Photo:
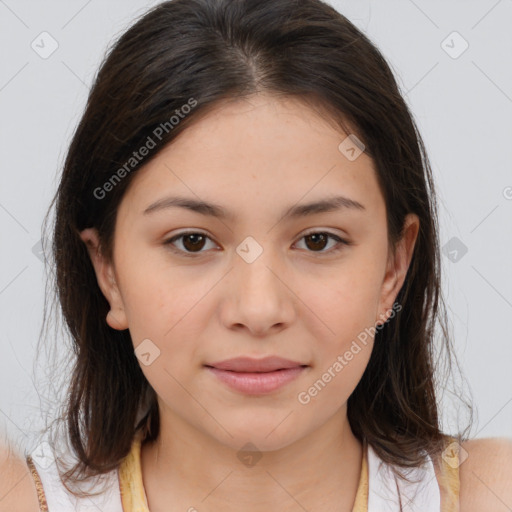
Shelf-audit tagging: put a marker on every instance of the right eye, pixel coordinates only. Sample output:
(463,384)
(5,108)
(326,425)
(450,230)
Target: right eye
(191,241)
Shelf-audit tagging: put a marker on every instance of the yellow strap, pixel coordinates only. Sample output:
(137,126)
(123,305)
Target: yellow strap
(43,506)
(132,489)
(361,501)
(450,475)
(133,497)
(134,500)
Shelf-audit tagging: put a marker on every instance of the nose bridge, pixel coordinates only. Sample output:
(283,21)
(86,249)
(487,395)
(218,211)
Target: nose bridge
(260,299)
(256,264)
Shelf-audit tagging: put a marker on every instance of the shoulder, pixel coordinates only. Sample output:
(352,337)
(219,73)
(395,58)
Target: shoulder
(486,474)
(17,488)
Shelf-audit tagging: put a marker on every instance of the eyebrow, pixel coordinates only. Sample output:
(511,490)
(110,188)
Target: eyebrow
(215,210)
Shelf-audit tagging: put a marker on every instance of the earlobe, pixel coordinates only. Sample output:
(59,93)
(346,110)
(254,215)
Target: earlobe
(113,321)
(116,317)
(397,267)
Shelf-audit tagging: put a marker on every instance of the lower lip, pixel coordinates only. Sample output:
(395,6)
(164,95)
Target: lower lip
(257,383)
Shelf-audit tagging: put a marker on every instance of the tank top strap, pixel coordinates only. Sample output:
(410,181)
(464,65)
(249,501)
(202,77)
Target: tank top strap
(361,501)
(41,497)
(378,489)
(133,495)
(450,475)
(53,496)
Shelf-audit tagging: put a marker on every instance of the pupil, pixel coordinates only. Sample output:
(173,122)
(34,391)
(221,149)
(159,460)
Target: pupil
(315,237)
(195,239)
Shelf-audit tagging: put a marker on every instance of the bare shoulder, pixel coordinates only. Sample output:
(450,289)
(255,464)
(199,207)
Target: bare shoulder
(17,488)
(486,475)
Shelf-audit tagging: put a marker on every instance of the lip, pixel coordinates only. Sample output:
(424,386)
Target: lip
(249,364)
(256,376)
(257,383)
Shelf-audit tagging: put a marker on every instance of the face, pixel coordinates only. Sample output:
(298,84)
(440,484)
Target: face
(266,278)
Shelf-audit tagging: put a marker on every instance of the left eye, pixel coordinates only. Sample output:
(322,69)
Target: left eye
(192,242)
(318,240)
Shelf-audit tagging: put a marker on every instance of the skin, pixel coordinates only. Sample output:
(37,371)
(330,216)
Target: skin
(309,455)
(484,478)
(256,157)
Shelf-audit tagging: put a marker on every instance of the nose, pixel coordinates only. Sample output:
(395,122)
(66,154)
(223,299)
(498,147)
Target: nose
(259,298)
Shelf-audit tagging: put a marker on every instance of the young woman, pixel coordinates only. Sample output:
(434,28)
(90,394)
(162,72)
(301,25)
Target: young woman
(247,260)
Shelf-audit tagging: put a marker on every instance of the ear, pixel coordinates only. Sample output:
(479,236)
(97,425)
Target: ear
(105,275)
(397,266)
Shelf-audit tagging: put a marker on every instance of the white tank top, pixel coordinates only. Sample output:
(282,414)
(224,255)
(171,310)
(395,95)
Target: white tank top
(383,496)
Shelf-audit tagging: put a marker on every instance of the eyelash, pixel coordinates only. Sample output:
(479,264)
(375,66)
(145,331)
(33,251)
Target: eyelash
(341,242)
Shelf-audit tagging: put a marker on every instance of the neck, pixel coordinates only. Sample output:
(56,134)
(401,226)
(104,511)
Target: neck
(187,470)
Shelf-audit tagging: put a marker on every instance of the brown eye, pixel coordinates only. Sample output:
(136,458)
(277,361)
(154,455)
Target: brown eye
(191,243)
(319,240)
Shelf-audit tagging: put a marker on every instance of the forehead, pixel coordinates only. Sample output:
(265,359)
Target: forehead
(255,153)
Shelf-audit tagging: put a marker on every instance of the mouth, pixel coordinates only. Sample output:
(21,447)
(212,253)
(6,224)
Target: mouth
(256,377)
(252,365)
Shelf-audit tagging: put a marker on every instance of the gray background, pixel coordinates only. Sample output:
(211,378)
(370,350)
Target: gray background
(462,103)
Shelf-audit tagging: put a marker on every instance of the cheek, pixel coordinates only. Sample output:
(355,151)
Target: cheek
(166,308)
(344,301)
(159,297)
(169,317)
(345,304)
(344,342)
(334,381)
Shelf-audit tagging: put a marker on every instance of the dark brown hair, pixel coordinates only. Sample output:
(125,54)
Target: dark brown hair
(210,51)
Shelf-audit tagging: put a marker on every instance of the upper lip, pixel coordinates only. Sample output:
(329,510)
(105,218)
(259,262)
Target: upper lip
(249,364)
